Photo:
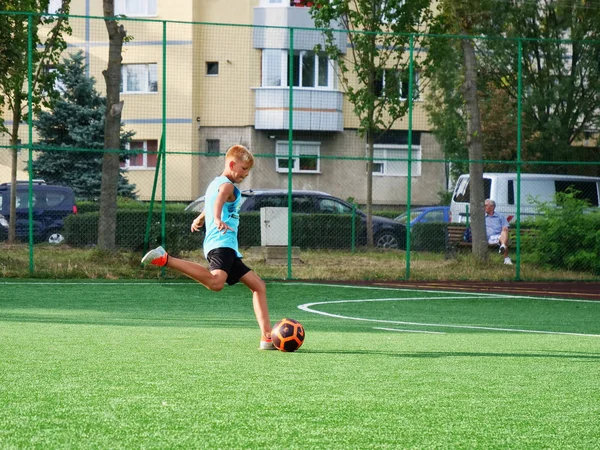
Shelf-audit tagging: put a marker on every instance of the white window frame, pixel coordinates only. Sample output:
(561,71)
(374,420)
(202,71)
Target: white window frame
(276,3)
(299,149)
(383,157)
(144,151)
(403,95)
(144,83)
(279,59)
(148,8)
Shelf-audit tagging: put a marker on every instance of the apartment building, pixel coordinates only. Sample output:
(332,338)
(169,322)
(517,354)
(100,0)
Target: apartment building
(218,73)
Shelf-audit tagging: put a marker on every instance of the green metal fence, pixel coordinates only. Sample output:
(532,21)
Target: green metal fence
(192,90)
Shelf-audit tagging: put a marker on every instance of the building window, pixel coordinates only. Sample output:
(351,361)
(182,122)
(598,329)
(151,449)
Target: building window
(392,160)
(135,8)
(393,83)
(145,155)
(305,157)
(213,146)
(311,70)
(141,78)
(212,68)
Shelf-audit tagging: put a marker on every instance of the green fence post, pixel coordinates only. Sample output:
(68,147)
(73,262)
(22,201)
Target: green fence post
(519,106)
(290,153)
(30,133)
(164,140)
(409,182)
(353,244)
(153,195)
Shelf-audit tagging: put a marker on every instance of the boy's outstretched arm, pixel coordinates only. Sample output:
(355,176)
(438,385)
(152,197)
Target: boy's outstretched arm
(198,222)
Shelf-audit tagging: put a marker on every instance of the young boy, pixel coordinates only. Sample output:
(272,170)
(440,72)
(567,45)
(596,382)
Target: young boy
(222,203)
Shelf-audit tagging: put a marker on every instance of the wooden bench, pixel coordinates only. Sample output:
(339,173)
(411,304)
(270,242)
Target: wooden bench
(456,240)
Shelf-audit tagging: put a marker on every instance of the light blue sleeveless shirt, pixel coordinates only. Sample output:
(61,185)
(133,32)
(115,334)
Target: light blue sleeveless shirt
(229,215)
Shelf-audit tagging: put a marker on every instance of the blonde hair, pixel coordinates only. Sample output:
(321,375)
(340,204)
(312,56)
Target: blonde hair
(240,153)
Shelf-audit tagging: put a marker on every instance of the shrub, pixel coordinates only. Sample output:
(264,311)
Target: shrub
(308,231)
(429,237)
(81,230)
(568,237)
(86,206)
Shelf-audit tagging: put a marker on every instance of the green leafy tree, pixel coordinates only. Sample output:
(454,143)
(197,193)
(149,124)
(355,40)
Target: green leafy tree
(452,64)
(376,65)
(47,44)
(560,71)
(560,86)
(76,121)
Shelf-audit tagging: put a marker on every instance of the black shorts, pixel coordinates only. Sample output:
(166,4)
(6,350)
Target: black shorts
(226,259)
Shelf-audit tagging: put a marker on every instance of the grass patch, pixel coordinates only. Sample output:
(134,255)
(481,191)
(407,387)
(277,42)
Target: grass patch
(63,262)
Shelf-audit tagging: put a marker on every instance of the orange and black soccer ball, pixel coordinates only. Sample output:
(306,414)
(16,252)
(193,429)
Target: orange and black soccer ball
(288,335)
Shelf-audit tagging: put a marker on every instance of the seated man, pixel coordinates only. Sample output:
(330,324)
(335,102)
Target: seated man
(496,229)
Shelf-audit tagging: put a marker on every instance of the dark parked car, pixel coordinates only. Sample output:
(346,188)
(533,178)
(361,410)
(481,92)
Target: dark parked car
(387,233)
(426,214)
(51,204)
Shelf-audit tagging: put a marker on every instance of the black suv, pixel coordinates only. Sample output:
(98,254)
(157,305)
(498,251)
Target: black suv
(51,204)
(387,233)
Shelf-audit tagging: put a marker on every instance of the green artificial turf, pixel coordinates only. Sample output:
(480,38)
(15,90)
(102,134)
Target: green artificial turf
(158,365)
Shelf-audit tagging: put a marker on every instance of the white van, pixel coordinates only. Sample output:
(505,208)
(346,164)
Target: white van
(502,188)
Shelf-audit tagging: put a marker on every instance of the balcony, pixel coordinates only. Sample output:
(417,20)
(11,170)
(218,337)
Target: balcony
(314,109)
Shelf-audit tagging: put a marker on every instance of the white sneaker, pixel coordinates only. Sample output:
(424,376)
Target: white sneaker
(507,261)
(266,344)
(156,257)
(502,249)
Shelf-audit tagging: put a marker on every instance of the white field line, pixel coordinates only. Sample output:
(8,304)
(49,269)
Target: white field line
(408,331)
(463,294)
(308,308)
(346,286)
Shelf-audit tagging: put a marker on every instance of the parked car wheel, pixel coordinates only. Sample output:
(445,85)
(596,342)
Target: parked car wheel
(387,239)
(55,238)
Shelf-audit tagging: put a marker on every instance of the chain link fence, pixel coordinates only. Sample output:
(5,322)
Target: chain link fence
(361,182)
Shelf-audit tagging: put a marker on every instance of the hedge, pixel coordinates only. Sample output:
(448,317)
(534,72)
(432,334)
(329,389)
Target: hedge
(430,237)
(81,230)
(308,231)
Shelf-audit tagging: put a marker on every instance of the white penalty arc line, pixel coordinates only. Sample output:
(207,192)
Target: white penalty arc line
(463,294)
(407,331)
(308,308)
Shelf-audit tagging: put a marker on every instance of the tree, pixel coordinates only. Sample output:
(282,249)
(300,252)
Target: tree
(15,31)
(76,121)
(560,86)
(560,70)
(107,225)
(463,19)
(375,30)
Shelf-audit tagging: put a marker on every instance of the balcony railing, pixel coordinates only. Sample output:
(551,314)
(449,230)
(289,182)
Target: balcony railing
(314,109)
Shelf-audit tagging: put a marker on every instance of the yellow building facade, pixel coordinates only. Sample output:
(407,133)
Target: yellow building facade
(208,74)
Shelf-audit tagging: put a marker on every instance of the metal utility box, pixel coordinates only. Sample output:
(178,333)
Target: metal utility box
(273,227)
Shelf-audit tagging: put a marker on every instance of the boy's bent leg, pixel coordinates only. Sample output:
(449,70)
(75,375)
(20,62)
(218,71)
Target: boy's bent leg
(259,301)
(213,281)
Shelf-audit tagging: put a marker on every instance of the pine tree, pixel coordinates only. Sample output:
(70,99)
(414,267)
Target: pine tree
(73,131)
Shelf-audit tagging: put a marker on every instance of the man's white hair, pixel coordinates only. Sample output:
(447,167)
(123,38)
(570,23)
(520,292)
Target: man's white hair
(491,202)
